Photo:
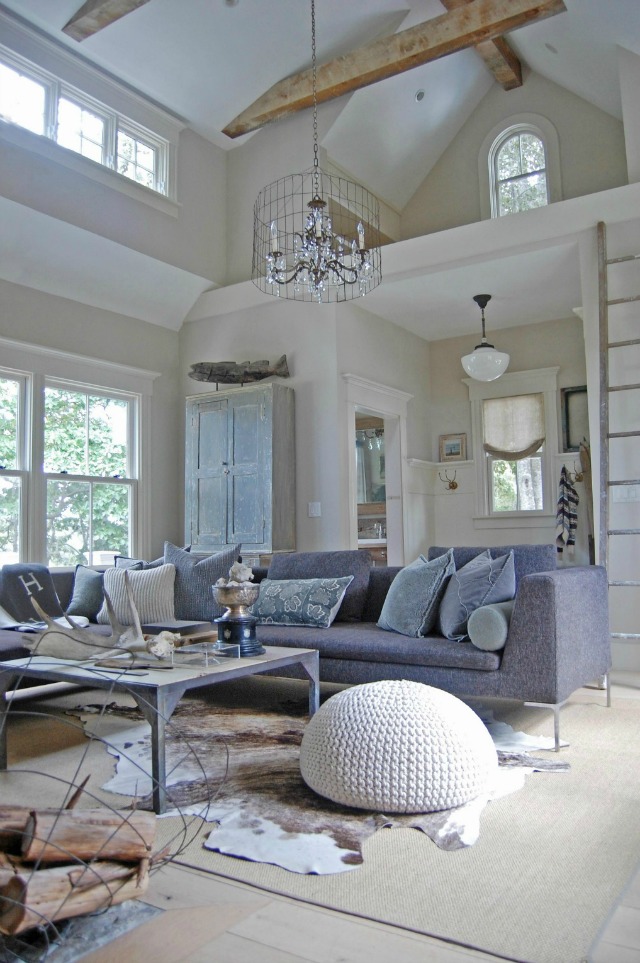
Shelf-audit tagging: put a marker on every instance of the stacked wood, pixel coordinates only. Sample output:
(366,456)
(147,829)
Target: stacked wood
(55,864)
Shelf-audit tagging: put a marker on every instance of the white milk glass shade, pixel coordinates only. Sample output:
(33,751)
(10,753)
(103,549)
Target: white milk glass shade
(485,363)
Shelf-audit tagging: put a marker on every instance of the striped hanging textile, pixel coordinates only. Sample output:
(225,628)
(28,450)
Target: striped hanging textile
(566,514)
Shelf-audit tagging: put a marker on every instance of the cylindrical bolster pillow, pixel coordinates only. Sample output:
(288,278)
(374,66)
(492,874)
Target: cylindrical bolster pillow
(488,626)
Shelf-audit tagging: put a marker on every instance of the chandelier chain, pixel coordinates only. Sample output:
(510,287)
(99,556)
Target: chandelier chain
(315,95)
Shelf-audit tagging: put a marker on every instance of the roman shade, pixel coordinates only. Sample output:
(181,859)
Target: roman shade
(513,427)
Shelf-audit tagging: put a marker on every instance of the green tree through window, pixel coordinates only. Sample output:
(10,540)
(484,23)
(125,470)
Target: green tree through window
(520,175)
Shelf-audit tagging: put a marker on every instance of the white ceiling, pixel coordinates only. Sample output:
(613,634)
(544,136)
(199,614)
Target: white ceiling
(206,61)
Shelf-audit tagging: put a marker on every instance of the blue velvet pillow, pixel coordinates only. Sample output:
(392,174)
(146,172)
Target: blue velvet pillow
(481,581)
(88,593)
(411,605)
(311,601)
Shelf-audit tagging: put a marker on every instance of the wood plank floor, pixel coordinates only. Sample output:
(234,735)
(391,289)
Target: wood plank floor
(211,920)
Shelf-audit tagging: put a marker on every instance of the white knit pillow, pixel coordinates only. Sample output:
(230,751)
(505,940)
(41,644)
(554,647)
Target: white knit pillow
(152,594)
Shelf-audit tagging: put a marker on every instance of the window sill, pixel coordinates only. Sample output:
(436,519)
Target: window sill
(38,144)
(519,520)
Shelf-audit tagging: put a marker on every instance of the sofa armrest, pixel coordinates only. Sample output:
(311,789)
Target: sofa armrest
(559,635)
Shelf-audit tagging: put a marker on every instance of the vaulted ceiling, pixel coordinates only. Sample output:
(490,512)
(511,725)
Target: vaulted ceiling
(210,61)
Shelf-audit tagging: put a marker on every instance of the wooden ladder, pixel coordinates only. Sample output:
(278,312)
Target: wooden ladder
(619,531)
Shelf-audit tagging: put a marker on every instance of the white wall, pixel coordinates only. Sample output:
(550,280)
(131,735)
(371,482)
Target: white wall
(592,154)
(36,318)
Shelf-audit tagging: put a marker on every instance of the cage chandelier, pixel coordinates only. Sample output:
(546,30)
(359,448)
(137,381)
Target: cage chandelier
(311,231)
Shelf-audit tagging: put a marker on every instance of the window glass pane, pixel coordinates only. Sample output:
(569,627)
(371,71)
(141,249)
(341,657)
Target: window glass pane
(68,522)
(136,159)
(523,194)
(9,401)
(65,431)
(108,429)
(80,130)
(508,161)
(532,153)
(516,486)
(10,491)
(111,521)
(22,100)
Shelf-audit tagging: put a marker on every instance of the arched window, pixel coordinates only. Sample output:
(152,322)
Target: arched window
(518,166)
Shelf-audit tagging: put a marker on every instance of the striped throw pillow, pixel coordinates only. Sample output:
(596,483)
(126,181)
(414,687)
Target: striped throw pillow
(152,594)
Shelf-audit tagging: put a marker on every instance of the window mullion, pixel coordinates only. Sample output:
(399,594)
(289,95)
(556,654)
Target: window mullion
(36,500)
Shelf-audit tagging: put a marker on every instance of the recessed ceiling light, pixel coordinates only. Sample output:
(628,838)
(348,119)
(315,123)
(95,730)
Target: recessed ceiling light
(419,96)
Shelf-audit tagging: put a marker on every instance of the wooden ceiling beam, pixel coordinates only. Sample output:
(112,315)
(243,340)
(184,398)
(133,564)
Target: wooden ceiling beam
(96,14)
(466,26)
(497,55)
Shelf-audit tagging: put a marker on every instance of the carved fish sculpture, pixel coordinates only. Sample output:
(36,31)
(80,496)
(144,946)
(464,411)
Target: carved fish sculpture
(233,373)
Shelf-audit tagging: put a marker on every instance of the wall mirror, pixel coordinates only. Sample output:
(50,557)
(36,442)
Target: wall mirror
(371,485)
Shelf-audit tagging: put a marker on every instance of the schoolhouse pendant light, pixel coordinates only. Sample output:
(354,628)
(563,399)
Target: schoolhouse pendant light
(484,363)
(316,235)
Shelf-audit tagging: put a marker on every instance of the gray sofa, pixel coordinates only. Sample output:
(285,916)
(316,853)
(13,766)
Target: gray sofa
(558,638)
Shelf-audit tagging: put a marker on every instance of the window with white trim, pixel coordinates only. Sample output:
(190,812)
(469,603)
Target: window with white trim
(46,105)
(518,171)
(515,431)
(83,489)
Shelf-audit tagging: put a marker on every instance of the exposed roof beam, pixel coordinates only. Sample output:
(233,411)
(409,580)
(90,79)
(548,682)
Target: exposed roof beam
(497,54)
(466,26)
(96,14)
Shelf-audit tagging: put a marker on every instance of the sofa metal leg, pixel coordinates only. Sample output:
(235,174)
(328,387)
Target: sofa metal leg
(555,707)
(607,686)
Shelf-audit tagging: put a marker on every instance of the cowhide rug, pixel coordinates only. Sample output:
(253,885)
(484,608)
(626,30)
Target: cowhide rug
(239,768)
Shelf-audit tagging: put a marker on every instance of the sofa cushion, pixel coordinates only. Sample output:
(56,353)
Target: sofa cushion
(22,581)
(329,565)
(194,580)
(488,626)
(88,593)
(312,601)
(411,605)
(481,581)
(152,593)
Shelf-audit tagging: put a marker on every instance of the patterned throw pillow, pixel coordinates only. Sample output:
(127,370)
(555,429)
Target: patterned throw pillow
(195,579)
(411,604)
(309,601)
(481,581)
(22,581)
(152,594)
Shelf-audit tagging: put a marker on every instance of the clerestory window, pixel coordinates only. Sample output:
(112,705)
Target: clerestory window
(48,106)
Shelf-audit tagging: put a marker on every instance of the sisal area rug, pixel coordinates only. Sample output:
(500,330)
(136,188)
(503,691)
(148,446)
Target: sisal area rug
(538,884)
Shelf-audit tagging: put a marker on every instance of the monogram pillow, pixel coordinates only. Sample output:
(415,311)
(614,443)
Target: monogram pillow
(21,582)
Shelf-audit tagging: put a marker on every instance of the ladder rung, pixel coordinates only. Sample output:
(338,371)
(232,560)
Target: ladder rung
(625,635)
(623,531)
(622,387)
(626,257)
(623,344)
(627,582)
(632,297)
(627,481)
(623,434)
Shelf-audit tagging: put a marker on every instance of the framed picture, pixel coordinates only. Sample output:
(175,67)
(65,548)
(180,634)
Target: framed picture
(453,447)
(575,417)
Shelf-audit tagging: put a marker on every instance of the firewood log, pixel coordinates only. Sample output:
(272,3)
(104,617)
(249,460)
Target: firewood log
(59,836)
(29,899)
(13,822)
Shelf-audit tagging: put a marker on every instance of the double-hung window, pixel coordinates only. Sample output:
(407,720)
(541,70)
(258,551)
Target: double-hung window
(72,459)
(89,474)
(515,432)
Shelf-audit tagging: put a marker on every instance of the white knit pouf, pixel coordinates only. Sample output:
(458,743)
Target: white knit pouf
(397,746)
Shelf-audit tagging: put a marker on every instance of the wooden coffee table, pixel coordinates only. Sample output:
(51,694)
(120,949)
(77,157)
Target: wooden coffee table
(157,692)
